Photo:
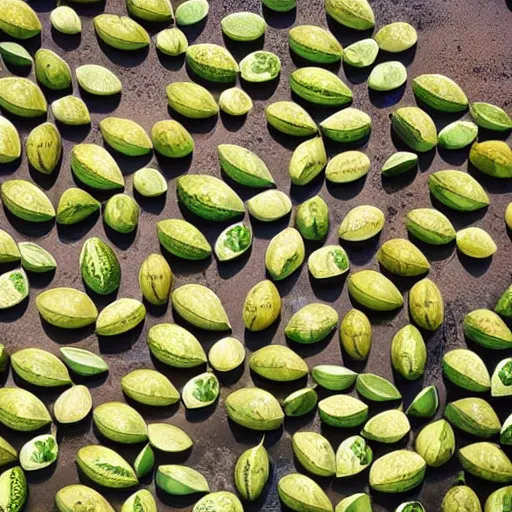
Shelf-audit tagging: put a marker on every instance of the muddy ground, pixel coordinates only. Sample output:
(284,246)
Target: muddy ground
(468,40)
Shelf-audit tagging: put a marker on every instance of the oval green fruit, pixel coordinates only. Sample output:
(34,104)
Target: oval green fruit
(172,139)
(235,102)
(460,494)
(262,306)
(98,80)
(71,497)
(254,408)
(333,377)
(121,213)
(14,288)
(149,387)
(312,323)
(475,243)
(399,163)
(73,405)
(66,308)
(183,239)
(144,462)
(99,266)
(94,166)
(106,467)
(424,404)
(201,307)
(260,66)
(13,489)
(280,5)
(168,438)
(426,305)
(396,37)
(233,242)
(15,54)
(35,259)
(83,362)
(172,41)
(347,125)
(142,499)
(501,380)
(39,453)
(467,370)
(430,226)
(328,261)
(252,472)
(440,93)
(436,443)
(320,86)
(300,493)
(458,135)
(387,76)
(119,422)
(314,452)
(75,205)
(22,411)
(342,411)
(486,461)
(155,279)
(376,388)
(352,456)
(387,427)
(10,145)
(149,182)
(356,14)
(191,100)
(8,453)
(64,19)
(218,501)
(151,10)
(506,432)
(120,32)
(356,335)
(269,205)
(201,391)
(402,258)
(52,71)
(315,44)
(487,329)
(409,353)
(503,306)
(474,416)
(492,157)
(458,190)
(307,162)
(125,136)
(22,97)
(191,12)
(361,223)
(498,500)
(359,502)
(290,118)
(26,201)
(347,167)
(180,480)
(9,251)
(312,219)
(40,368)
(209,198)
(226,354)
(175,346)
(415,127)
(243,26)
(285,254)
(212,62)
(300,402)
(361,53)
(397,471)
(278,363)
(71,110)
(490,116)
(120,316)
(44,148)
(374,291)
(19,20)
